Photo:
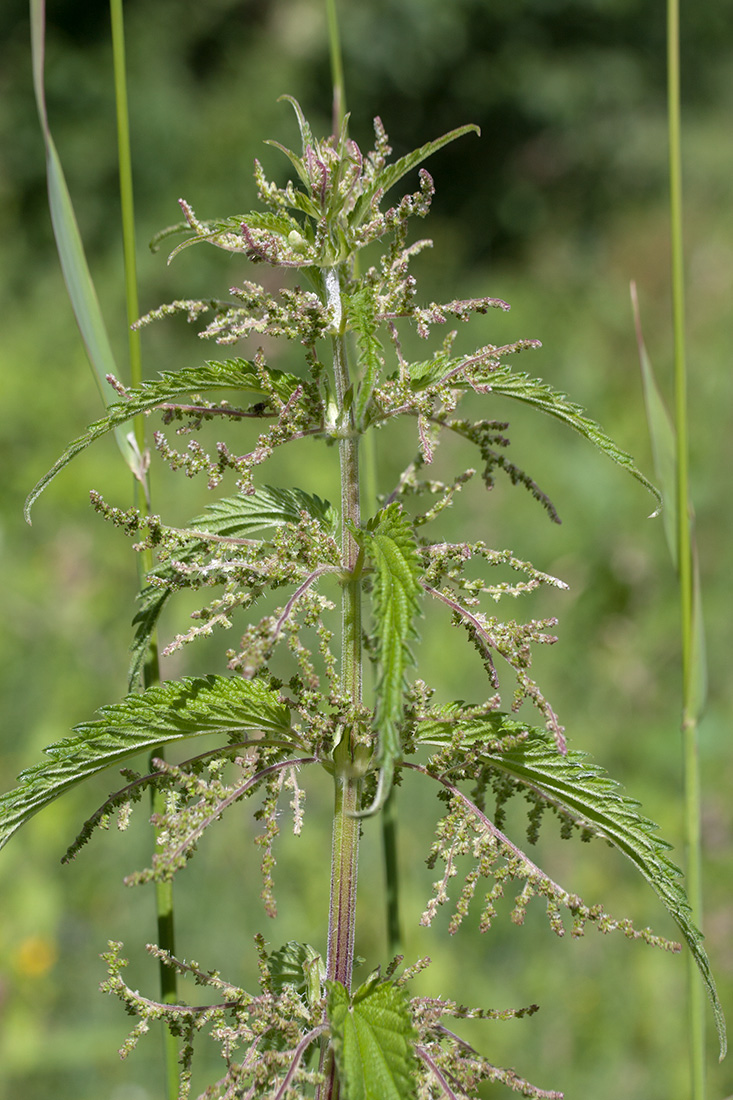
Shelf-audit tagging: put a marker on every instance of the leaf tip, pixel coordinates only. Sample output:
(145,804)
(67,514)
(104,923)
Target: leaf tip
(30,500)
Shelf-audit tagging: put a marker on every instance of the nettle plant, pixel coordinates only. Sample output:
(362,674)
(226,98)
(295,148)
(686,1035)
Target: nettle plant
(307,1031)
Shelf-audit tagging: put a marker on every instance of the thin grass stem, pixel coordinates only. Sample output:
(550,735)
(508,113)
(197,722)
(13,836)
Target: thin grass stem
(337,68)
(696,1003)
(151,675)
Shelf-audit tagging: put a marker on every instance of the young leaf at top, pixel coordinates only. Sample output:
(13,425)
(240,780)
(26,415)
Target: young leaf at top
(393,173)
(174,711)
(390,543)
(373,1041)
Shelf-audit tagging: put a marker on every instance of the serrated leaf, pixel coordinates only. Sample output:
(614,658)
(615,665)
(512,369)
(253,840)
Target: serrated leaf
(280,223)
(170,712)
(393,173)
(390,543)
(292,964)
(373,1041)
(427,372)
(532,391)
(441,729)
(268,507)
(237,374)
(535,392)
(270,220)
(360,310)
(232,517)
(152,600)
(77,278)
(592,798)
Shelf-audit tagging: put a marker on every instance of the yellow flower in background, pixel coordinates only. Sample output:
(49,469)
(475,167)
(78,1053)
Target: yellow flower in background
(35,956)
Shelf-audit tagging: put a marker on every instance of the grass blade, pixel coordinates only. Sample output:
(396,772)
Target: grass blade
(661,433)
(74,266)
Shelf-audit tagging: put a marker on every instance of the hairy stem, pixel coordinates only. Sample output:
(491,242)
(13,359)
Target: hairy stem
(344,865)
(389,817)
(346,827)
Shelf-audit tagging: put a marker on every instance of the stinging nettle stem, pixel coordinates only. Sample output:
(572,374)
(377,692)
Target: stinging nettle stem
(346,827)
(345,850)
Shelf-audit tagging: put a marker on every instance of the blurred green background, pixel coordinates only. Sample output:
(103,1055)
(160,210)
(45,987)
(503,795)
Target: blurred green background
(559,204)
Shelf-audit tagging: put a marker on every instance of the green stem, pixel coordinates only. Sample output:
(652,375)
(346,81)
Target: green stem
(167,976)
(391,874)
(684,546)
(345,850)
(346,826)
(389,817)
(344,871)
(163,891)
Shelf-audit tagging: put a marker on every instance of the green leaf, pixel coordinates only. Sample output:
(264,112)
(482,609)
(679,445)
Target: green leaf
(268,507)
(237,374)
(152,600)
(373,1041)
(393,173)
(174,711)
(306,134)
(535,392)
(70,248)
(297,162)
(390,543)
(232,517)
(427,372)
(299,965)
(360,311)
(664,450)
(487,729)
(279,223)
(595,801)
(662,435)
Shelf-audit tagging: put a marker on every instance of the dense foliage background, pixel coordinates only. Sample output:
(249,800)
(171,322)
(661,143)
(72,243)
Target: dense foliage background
(558,205)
